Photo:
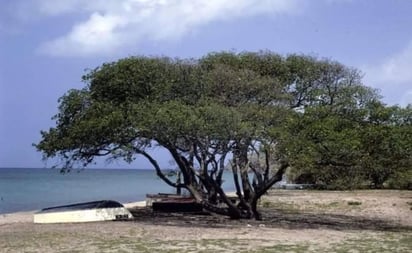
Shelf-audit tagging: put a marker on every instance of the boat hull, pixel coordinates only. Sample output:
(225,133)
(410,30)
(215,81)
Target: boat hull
(79,213)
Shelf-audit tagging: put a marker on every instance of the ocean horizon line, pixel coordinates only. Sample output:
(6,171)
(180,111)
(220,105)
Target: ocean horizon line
(75,169)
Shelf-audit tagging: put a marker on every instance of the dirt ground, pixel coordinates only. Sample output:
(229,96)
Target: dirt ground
(293,221)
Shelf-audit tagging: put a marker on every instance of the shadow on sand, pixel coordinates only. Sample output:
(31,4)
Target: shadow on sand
(271,218)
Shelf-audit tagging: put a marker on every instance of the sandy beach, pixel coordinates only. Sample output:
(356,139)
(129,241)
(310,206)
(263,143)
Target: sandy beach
(294,221)
(27,217)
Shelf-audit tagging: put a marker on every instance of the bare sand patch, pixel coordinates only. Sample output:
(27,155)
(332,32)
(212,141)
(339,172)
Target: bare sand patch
(294,221)
(19,217)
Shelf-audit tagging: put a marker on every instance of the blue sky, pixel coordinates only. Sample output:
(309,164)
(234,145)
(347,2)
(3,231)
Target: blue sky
(46,45)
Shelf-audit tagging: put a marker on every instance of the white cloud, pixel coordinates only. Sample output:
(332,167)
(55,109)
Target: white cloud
(96,35)
(114,24)
(393,74)
(395,69)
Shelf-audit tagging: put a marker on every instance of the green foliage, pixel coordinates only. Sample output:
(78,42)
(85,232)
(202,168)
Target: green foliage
(353,149)
(401,179)
(313,115)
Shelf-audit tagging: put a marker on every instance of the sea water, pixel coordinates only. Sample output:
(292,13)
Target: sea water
(34,189)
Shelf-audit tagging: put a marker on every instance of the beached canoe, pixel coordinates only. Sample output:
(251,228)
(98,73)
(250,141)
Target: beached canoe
(104,210)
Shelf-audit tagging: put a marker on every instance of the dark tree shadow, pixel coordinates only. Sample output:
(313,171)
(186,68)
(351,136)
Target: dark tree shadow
(303,220)
(272,218)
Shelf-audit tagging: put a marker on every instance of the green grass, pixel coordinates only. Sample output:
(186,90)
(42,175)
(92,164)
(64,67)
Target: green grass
(298,248)
(354,203)
(355,242)
(386,243)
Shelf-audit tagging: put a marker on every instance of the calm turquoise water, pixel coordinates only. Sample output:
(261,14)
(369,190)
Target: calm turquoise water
(34,189)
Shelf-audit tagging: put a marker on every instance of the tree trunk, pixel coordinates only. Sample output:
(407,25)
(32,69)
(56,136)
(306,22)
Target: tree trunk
(255,212)
(178,183)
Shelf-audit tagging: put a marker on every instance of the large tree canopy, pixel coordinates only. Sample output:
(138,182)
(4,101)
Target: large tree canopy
(219,109)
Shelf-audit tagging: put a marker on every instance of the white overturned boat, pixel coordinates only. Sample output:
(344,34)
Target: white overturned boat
(104,210)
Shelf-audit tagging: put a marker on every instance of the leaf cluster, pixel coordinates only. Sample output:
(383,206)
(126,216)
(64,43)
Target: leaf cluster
(313,114)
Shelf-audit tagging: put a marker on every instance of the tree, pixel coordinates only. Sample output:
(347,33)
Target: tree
(344,148)
(387,143)
(203,111)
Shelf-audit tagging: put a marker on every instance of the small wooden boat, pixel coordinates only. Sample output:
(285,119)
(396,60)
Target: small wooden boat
(164,202)
(104,210)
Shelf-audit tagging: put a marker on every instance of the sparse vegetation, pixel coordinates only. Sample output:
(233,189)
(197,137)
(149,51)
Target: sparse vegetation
(294,221)
(355,242)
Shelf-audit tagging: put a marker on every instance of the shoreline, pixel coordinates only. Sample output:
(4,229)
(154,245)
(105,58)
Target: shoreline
(392,206)
(27,216)
(294,221)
